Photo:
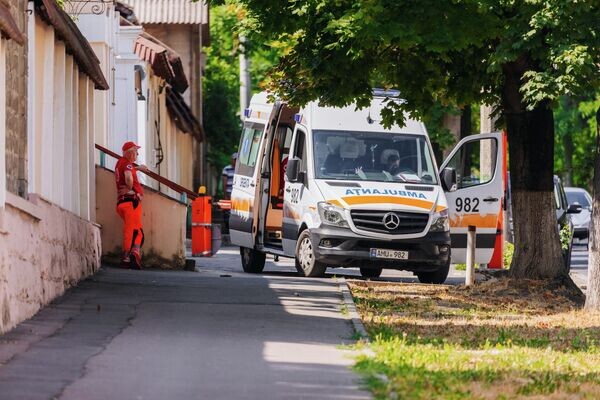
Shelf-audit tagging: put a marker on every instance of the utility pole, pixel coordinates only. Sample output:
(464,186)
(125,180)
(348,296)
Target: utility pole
(244,77)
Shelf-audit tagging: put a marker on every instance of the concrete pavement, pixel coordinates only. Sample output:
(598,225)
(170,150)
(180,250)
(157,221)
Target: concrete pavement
(212,334)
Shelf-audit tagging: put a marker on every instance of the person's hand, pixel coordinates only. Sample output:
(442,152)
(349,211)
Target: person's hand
(123,190)
(142,168)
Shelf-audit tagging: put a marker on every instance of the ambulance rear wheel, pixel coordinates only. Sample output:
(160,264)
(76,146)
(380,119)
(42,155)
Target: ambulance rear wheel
(306,264)
(371,272)
(253,261)
(436,277)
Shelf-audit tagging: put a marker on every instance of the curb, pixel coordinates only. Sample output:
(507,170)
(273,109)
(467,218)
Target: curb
(353,314)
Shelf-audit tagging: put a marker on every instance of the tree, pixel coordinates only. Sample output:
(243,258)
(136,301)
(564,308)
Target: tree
(574,122)
(592,301)
(519,55)
(221,117)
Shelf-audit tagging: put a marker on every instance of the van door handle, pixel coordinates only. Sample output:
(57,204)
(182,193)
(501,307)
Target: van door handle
(490,199)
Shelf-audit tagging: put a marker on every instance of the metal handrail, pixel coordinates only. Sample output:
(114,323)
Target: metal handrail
(176,187)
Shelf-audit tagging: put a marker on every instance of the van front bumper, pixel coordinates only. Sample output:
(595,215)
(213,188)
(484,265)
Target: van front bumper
(340,247)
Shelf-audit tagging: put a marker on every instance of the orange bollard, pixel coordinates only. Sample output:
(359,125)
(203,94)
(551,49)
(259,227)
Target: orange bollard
(201,227)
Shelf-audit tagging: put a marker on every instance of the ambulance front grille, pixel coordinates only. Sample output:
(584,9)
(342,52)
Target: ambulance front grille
(372,221)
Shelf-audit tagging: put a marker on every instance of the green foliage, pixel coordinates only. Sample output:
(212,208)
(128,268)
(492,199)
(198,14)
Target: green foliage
(575,123)
(221,103)
(221,88)
(450,53)
(566,234)
(507,255)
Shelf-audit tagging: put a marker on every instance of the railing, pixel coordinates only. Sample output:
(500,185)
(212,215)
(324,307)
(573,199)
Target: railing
(178,188)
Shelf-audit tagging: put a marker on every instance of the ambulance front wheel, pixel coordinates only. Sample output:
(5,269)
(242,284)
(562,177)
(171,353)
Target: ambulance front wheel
(438,277)
(306,264)
(253,261)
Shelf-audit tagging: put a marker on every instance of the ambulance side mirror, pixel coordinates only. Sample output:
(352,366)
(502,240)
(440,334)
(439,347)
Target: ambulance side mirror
(448,179)
(292,172)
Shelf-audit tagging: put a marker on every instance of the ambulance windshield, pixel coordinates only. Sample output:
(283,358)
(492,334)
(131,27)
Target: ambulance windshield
(373,156)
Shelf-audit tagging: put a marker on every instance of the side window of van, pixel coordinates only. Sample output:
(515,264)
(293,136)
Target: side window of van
(300,149)
(249,146)
(475,162)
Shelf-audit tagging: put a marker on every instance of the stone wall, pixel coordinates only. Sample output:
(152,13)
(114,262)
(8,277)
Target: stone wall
(16,105)
(44,250)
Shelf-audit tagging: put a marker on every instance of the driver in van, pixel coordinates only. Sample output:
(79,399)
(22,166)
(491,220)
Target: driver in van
(393,164)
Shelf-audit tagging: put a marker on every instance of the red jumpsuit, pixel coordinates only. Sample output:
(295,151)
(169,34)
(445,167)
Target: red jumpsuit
(129,208)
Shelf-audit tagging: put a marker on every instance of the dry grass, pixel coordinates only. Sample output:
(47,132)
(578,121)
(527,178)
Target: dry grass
(501,339)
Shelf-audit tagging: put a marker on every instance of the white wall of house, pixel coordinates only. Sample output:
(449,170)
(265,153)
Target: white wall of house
(60,129)
(125,126)
(101,32)
(49,241)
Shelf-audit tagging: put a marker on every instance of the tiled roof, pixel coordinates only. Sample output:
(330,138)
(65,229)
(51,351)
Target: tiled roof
(169,11)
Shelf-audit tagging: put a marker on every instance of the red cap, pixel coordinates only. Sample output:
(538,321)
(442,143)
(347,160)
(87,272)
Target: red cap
(129,146)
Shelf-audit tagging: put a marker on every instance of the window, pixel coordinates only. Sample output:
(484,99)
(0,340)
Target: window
(373,156)
(475,162)
(249,146)
(300,149)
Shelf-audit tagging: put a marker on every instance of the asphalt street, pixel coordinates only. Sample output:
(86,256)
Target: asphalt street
(212,334)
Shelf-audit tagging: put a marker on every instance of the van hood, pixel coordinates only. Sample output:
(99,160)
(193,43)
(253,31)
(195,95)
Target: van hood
(386,195)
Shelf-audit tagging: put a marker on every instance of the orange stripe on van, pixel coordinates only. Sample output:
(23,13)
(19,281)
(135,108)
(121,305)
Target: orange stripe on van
(480,221)
(238,204)
(405,201)
(440,208)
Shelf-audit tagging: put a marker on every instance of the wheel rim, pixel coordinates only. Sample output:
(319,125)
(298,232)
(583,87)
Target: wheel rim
(305,254)
(246,256)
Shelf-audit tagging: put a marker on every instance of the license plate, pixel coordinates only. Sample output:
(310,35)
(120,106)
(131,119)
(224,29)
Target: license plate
(392,254)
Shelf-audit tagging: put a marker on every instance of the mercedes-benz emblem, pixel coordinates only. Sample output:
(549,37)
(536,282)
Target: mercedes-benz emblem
(391,221)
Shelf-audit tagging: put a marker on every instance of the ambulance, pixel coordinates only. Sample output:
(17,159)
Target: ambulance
(332,187)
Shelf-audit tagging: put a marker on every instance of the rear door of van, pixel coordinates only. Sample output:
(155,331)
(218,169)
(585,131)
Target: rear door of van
(242,224)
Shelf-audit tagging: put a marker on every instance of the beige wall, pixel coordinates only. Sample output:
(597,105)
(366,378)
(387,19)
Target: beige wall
(163,221)
(43,251)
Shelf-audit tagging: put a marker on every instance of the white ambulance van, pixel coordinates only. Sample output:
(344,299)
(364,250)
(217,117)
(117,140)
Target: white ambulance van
(331,187)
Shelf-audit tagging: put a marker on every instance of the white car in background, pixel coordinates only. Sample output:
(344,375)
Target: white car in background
(581,221)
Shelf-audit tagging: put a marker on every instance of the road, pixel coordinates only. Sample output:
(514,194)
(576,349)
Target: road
(212,334)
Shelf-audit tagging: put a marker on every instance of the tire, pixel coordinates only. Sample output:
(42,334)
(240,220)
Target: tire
(306,264)
(371,272)
(436,277)
(253,261)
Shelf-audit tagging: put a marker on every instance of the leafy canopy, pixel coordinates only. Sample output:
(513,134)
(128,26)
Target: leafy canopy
(434,52)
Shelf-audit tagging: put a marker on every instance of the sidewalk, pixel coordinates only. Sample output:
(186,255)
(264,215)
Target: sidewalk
(212,334)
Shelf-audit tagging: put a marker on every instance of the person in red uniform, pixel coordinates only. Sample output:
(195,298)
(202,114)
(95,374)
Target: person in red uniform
(129,205)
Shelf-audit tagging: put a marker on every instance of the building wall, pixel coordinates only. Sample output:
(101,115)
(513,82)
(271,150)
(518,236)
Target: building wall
(48,241)
(44,250)
(186,40)
(16,105)
(61,126)
(163,221)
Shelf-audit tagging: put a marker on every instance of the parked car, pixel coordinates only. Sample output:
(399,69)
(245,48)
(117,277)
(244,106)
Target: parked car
(581,221)
(564,217)
(565,213)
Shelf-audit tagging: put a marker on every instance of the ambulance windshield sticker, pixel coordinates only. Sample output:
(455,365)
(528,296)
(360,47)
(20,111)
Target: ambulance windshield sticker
(388,192)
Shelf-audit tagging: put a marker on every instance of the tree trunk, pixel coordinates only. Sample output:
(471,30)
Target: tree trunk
(531,155)
(592,301)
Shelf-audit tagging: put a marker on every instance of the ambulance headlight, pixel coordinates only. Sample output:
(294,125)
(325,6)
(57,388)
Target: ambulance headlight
(441,223)
(332,215)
